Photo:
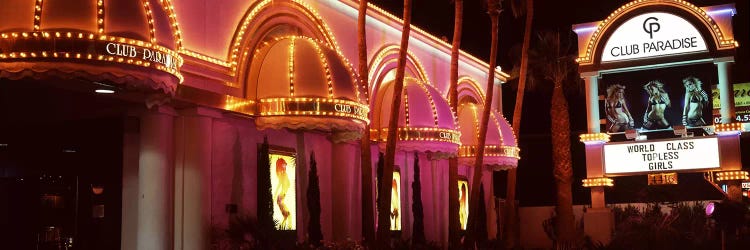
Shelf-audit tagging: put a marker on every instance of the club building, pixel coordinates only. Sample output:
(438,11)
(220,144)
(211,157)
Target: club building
(649,68)
(133,124)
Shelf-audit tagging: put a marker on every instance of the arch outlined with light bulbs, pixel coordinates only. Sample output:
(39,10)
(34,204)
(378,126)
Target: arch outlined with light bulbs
(692,13)
(265,22)
(468,86)
(383,66)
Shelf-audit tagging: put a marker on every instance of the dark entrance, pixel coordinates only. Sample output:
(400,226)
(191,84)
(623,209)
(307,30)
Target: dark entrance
(60,167)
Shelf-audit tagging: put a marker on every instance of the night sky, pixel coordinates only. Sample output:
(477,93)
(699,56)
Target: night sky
(535,180)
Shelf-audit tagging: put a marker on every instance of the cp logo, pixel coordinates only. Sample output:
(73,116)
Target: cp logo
(651,25)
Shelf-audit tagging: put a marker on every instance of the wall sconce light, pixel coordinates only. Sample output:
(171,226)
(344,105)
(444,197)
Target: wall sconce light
(97,189)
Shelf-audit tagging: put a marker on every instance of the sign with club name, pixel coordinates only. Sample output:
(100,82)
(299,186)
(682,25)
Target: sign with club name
(662,179)
(143,53)
(651,35)
(746,185)
(660,156)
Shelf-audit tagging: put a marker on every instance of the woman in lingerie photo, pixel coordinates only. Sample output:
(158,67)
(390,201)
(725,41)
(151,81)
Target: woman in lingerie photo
(618,113)
(695,100)
(658,102)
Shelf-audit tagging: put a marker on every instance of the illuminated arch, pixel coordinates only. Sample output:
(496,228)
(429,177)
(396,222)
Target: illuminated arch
(693,14)
(263,18)
(169,8)
(468,86)
(385,62)
(266,21)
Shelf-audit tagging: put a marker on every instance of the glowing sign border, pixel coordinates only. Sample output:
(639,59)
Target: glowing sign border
(608,167)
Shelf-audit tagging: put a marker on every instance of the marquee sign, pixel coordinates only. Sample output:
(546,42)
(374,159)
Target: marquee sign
(143,53)
(88,48)
(651,35)
(660,156)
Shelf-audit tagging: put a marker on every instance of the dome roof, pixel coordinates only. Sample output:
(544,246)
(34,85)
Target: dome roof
(424,116)
(501,151)
(303,84)
(147,21)
(124,41)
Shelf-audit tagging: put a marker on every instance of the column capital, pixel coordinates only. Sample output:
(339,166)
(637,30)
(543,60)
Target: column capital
(162,109)
(201,111)
(728,59)
(589,74)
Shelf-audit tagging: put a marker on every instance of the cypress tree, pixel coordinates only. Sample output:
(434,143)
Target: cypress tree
(380,175)
(313,203)
(416,209)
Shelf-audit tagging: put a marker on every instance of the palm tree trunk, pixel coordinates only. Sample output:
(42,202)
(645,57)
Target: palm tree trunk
(474,198)
(384,205)
(454,225)
(368,220)
(511,227)
(563,171)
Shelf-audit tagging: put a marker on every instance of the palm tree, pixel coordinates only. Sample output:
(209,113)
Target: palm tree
(553,59)
(511,227)
(454,226)
(493,9)
(384,204)
(368,220)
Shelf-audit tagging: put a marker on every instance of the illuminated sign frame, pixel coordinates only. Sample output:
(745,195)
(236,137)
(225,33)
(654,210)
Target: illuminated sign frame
(283,166)
(669,155)
(653,34)
(396,221)
(90,48)
(463,209)
(419,134)
(313,106)
(489,150)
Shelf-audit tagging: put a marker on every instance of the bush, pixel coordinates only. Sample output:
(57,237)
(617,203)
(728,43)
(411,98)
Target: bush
(684,227)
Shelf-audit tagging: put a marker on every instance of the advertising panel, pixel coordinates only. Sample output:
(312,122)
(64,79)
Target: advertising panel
(283,179)
(396,201)
(658,99)
(463,203)
(659,156)
(741,102)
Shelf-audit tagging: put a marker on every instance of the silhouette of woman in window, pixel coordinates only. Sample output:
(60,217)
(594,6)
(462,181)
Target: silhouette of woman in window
(395,204)
(463,206)
(281,190)
(658,102)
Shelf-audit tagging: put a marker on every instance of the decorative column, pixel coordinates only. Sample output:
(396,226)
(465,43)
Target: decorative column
(192,211)
(130,157)
(726,89)
(342,156)
(592,95)
(489,201)
(598,221)
(155,179)
(497,100)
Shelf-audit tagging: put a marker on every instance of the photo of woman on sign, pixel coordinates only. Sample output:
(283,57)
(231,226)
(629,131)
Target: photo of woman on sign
(658,102)
(695,99)
(618,114)
(281,190)
(642,99)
